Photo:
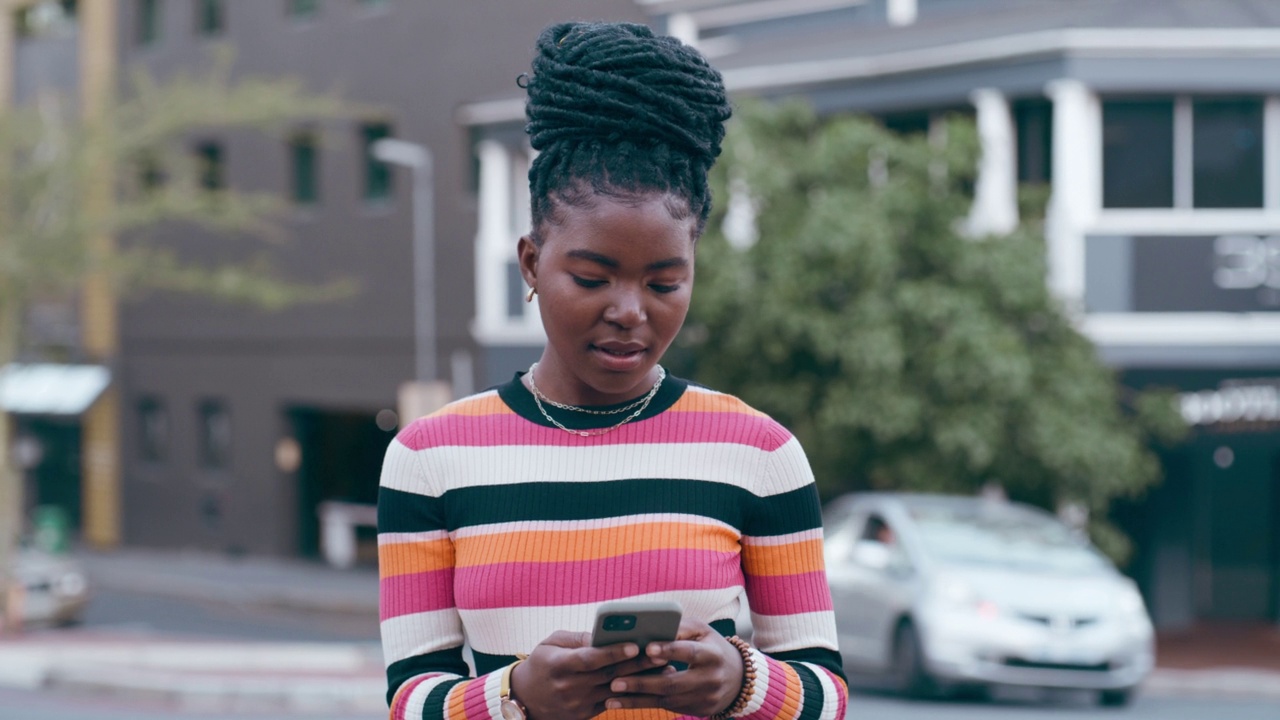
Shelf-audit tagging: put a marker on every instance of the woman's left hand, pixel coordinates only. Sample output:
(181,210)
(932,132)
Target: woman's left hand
(708,685)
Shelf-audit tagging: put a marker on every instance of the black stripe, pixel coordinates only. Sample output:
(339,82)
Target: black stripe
(434,705)
(829,659)
(487,663)
(812,693)
(787,512)
(400,511)
(446,661)
(519,399)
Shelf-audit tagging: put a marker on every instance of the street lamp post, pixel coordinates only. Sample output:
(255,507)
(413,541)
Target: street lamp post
(418,158)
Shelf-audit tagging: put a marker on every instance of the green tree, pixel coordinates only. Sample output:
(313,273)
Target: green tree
(903,353)
(66,182)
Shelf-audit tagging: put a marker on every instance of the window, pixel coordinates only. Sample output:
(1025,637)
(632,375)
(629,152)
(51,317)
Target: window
(1227,153)
(151,175)
(377,175)
(148,21)
(215,435)
(304,169)
(153,429)
(302,9)
(1033,126)
(210,18)
(210,170)
(516,291)
(1137,153)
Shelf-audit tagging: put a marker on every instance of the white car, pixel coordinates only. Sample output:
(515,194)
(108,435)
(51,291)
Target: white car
(55,590)
(946,593)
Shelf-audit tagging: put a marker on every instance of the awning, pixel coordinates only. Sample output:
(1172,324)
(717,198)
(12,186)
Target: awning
(49,389)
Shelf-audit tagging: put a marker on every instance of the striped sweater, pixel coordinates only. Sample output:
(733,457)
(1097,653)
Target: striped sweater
(495,529)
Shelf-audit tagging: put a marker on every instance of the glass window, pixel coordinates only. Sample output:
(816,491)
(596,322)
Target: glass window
(1002,536)
(151,175)
(210,170)
(210,17)
(148,21)
(305,169)
(1228,152)
(215,435)
(153,429)
(516,291)
(1033,126)
(377,174)
(302,8)
(1137,153)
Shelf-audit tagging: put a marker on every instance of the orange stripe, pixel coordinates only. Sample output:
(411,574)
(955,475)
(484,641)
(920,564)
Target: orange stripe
(488,405)
(801,557)
(453,703)
(791,701)
(696,401)
(414,557)
(575,545)
(646,714)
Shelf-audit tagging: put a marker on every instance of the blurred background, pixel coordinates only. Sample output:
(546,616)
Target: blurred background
(1028,249)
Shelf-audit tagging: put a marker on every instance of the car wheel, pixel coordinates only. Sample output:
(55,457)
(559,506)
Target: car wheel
(1121,697)
(909,676)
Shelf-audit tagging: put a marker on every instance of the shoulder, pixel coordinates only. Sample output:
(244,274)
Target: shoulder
(732,417)
(451,423)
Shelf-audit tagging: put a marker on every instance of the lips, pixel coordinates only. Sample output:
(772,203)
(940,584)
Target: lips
(620,349)
(619,356)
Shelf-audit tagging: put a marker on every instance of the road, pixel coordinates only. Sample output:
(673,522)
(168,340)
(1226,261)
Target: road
(20,705)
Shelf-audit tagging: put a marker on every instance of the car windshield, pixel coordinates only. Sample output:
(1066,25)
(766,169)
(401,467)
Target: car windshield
(998,535)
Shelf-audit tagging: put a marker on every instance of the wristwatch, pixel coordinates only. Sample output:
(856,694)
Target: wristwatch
(511,707)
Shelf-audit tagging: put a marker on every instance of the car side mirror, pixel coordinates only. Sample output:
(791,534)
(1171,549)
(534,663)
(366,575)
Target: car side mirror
(872,554)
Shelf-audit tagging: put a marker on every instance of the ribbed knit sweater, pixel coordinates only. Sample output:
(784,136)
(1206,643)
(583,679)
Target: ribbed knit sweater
(495,529)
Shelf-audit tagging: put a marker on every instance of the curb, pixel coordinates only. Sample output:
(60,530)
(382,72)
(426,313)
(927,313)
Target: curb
(1222,682)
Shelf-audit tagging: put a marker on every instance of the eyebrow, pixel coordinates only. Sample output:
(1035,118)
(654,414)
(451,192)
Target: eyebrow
(611,263)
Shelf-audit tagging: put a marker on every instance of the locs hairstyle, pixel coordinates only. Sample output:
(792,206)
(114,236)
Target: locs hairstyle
(615,110)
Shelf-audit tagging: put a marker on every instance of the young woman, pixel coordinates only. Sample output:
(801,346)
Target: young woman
(506,518)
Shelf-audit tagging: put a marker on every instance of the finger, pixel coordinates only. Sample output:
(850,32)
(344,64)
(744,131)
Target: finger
(566,639)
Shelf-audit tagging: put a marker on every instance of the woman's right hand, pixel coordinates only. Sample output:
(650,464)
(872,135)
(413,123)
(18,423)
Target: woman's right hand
(565,678)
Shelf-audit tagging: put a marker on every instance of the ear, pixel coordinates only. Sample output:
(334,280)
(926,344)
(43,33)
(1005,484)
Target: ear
(527,254)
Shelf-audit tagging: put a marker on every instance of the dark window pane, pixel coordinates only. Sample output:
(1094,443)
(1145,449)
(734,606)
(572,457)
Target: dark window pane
(215,435)
(306,186)
(1033,126)
(907,123)
(211,175)
(1137,153)
(377,175)
(153,429)
(302,8)
(1228,153)
(515,291)
(210,17)
(148,21)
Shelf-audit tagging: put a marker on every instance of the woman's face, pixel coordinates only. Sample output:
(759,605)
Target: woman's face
(614,282)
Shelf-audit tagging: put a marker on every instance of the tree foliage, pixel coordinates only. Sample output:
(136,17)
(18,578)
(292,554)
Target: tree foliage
(903,353)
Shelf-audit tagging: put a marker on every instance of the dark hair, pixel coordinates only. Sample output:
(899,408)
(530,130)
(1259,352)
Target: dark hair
(615,110)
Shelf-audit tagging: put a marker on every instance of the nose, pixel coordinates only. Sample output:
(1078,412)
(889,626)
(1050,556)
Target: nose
(626,308)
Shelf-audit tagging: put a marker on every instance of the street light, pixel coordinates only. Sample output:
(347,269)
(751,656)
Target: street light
(418,158)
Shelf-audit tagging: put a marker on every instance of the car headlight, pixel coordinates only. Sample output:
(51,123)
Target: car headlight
(72,583)
(955,593)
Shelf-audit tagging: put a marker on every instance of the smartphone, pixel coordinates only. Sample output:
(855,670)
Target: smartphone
(637,621)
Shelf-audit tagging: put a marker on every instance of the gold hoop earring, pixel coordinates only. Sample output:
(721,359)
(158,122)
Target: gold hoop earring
(532,291)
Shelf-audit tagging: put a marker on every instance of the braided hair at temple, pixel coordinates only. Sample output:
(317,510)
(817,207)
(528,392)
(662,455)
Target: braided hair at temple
(615,110)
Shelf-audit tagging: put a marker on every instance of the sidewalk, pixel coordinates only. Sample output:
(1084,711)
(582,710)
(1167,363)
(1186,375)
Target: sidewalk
(1208,661)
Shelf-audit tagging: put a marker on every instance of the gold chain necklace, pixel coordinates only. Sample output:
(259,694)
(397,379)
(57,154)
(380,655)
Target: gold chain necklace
(639,405)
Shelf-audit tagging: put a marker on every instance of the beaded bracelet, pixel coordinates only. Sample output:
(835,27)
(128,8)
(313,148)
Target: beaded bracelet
(748,681)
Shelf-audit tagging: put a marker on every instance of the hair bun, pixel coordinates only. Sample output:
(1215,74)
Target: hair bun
(616,82)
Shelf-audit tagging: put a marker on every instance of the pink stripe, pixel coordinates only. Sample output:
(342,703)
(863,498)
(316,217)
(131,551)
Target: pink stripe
(842,692)
(789,594)
(532,584)
(402,697)
(416,592)
(776,694)
(672,427)
(474,704)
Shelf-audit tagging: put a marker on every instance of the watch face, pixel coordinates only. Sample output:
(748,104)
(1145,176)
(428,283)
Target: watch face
(511,711)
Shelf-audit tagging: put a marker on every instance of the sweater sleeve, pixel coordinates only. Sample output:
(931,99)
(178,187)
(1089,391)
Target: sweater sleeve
(422,635)
(799,672)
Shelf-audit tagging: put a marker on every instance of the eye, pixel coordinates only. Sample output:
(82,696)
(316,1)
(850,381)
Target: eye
(584,282)
(664,289)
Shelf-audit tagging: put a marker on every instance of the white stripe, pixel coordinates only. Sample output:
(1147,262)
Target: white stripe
(761,689)
(420,633)
(411,537)
(789,538)
(830,693)
(452,467)
(418,698)
(780,633)
(493,694)
(593,524)
(507,631)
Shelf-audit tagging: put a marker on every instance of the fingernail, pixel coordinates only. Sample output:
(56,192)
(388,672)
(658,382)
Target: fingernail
(654,650)
(618,686)
(631,650)
(613,704)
